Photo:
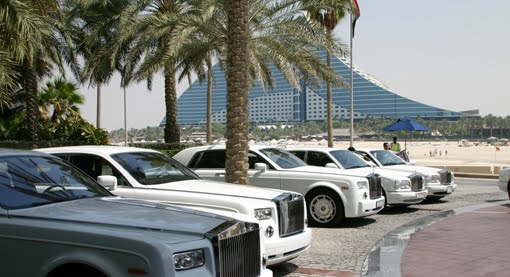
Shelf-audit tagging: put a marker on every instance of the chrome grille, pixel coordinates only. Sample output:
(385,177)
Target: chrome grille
(445,176)
(374,185)
(416,182)
(237,249)
(291,213)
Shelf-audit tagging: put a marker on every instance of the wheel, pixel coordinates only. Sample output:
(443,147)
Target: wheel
(508,189)
(325,208)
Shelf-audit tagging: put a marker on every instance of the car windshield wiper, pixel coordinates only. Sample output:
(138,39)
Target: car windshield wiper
(358,166)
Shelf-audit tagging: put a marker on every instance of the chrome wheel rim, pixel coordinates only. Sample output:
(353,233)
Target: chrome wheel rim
(323,208)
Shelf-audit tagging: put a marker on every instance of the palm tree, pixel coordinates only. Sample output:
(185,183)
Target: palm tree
(59,100)
(237,75)
(328,14)
(37,40)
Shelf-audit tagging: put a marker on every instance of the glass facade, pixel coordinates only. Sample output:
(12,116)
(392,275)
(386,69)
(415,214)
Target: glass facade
(285,103)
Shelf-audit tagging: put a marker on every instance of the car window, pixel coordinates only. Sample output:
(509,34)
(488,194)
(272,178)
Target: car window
(209,159)
(318,158)
(348,159)
(299,154)
(95,166)
(153,168)
(282,158)
(254,158)
(28,181)
(386,157)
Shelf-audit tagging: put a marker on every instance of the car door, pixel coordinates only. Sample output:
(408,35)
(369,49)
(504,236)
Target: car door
(94,166)
(210,165)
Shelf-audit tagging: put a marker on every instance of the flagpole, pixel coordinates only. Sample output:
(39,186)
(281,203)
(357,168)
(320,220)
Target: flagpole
(352,89)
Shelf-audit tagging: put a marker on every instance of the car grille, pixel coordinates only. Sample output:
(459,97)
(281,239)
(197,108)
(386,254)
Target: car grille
(237,249)
(445,176)
(374,185)
(416,182)
(291,213)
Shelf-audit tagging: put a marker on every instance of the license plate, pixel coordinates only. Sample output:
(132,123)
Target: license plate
(379,203)
(449,190)
(421,194)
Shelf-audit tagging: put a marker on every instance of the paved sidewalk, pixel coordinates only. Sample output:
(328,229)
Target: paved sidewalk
(468,242)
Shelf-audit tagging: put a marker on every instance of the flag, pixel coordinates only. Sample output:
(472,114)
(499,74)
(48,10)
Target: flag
(355,12)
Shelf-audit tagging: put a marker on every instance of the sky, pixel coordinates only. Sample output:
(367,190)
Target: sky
(452,54)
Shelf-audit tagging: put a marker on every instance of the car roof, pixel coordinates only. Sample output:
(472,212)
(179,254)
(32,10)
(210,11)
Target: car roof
(19,152)
(223,146)
(103,149)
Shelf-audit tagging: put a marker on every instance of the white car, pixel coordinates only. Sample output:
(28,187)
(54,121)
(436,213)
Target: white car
(330,196)
(504,180)
(399,188)
(56,221)
(151,175)
(439,182)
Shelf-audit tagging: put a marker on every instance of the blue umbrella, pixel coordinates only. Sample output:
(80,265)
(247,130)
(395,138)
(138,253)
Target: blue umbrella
(405,124)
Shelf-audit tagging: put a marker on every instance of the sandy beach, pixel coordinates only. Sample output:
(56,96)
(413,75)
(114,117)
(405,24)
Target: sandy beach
(443,152)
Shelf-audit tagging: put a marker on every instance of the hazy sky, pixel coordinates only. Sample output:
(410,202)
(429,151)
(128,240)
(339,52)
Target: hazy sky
(453,54)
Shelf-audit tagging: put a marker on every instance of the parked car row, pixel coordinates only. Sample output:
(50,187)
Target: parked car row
(153,215)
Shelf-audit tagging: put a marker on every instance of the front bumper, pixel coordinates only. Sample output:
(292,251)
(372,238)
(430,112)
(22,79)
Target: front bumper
(440,189)
(365,208)
(406,197)
(282,249)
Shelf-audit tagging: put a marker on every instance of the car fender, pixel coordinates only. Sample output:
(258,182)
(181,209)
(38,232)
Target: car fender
(335,187)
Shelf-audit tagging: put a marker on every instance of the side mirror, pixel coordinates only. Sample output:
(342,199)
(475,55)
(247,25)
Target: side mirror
(261,167)
(108,182)
(331,165)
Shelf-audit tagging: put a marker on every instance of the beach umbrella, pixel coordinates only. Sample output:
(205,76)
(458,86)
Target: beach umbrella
(405,124)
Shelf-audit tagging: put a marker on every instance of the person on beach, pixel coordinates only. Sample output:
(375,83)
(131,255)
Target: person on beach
(395,146)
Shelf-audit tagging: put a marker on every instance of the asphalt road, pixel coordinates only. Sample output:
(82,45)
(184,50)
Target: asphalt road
(341,251)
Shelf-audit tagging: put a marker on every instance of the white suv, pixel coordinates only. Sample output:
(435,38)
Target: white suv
(330,196)
(400,188)
(439,182)
(151,175)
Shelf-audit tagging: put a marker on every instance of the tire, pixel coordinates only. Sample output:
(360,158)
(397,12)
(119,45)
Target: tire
(508,189)
(76,270)
(325,208)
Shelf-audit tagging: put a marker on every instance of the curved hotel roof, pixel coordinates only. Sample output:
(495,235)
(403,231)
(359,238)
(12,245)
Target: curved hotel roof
(284,103)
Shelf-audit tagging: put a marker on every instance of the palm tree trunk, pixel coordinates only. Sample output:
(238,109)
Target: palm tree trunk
(237,91)
(209,101)
(330,103)
(98,112)
(172,131)
(30,87)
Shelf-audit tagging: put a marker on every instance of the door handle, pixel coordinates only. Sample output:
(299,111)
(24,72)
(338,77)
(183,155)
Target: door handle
(219,174)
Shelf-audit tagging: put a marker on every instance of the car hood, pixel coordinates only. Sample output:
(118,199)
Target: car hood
(219,188)
(327,170)
(123,212)
(413,168)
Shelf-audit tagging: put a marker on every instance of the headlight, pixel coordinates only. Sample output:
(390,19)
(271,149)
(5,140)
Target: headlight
(362,184)
(189,259)
(435,178)
(402,184)
(265,213)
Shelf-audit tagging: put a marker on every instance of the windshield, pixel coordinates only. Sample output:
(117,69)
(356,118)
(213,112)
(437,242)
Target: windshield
(386,157)
(348,159)
(29,181)
(282,158)
(151,168)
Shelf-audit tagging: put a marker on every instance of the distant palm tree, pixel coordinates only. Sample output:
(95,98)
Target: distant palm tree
(328,13)
(60,99)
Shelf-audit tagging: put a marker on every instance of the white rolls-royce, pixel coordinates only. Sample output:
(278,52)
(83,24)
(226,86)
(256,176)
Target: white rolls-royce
(330,196)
